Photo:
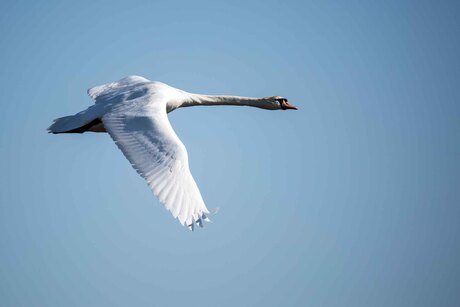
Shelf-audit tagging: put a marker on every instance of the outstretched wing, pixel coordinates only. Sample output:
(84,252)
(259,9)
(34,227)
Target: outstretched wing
(116,87)
(148,141)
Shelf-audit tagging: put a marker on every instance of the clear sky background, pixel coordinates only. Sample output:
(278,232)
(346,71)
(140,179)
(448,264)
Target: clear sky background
(351,201)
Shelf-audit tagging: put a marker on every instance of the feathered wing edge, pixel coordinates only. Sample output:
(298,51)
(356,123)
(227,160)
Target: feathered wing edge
(170,180)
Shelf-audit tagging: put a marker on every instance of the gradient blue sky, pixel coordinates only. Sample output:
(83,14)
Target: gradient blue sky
(351,201)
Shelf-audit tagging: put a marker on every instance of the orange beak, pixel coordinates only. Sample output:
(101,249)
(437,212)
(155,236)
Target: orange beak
(285,105)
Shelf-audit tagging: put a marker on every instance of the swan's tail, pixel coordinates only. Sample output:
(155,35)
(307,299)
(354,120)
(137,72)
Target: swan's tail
(64,124)
(87,120)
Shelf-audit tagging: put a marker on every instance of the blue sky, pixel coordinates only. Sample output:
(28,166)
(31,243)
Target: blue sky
(352,200)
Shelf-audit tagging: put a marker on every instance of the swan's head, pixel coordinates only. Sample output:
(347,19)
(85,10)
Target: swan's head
(281,103)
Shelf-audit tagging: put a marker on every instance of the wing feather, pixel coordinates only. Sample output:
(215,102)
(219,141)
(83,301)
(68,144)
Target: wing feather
(148,141)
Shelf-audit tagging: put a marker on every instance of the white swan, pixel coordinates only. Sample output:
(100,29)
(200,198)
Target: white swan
(134,111)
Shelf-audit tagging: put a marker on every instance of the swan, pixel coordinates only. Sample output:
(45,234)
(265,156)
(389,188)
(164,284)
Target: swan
(133,111)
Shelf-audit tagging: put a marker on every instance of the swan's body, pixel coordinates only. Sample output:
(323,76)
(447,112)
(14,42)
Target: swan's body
(134,111)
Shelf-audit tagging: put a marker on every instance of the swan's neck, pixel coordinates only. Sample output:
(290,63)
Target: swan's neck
(211,100)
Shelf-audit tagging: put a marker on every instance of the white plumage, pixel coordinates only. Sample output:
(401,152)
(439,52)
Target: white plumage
(133,111)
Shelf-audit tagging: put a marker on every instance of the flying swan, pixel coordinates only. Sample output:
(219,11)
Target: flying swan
(134,111)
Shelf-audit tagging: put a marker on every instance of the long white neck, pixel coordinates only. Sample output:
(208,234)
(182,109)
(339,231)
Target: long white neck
(212,100)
